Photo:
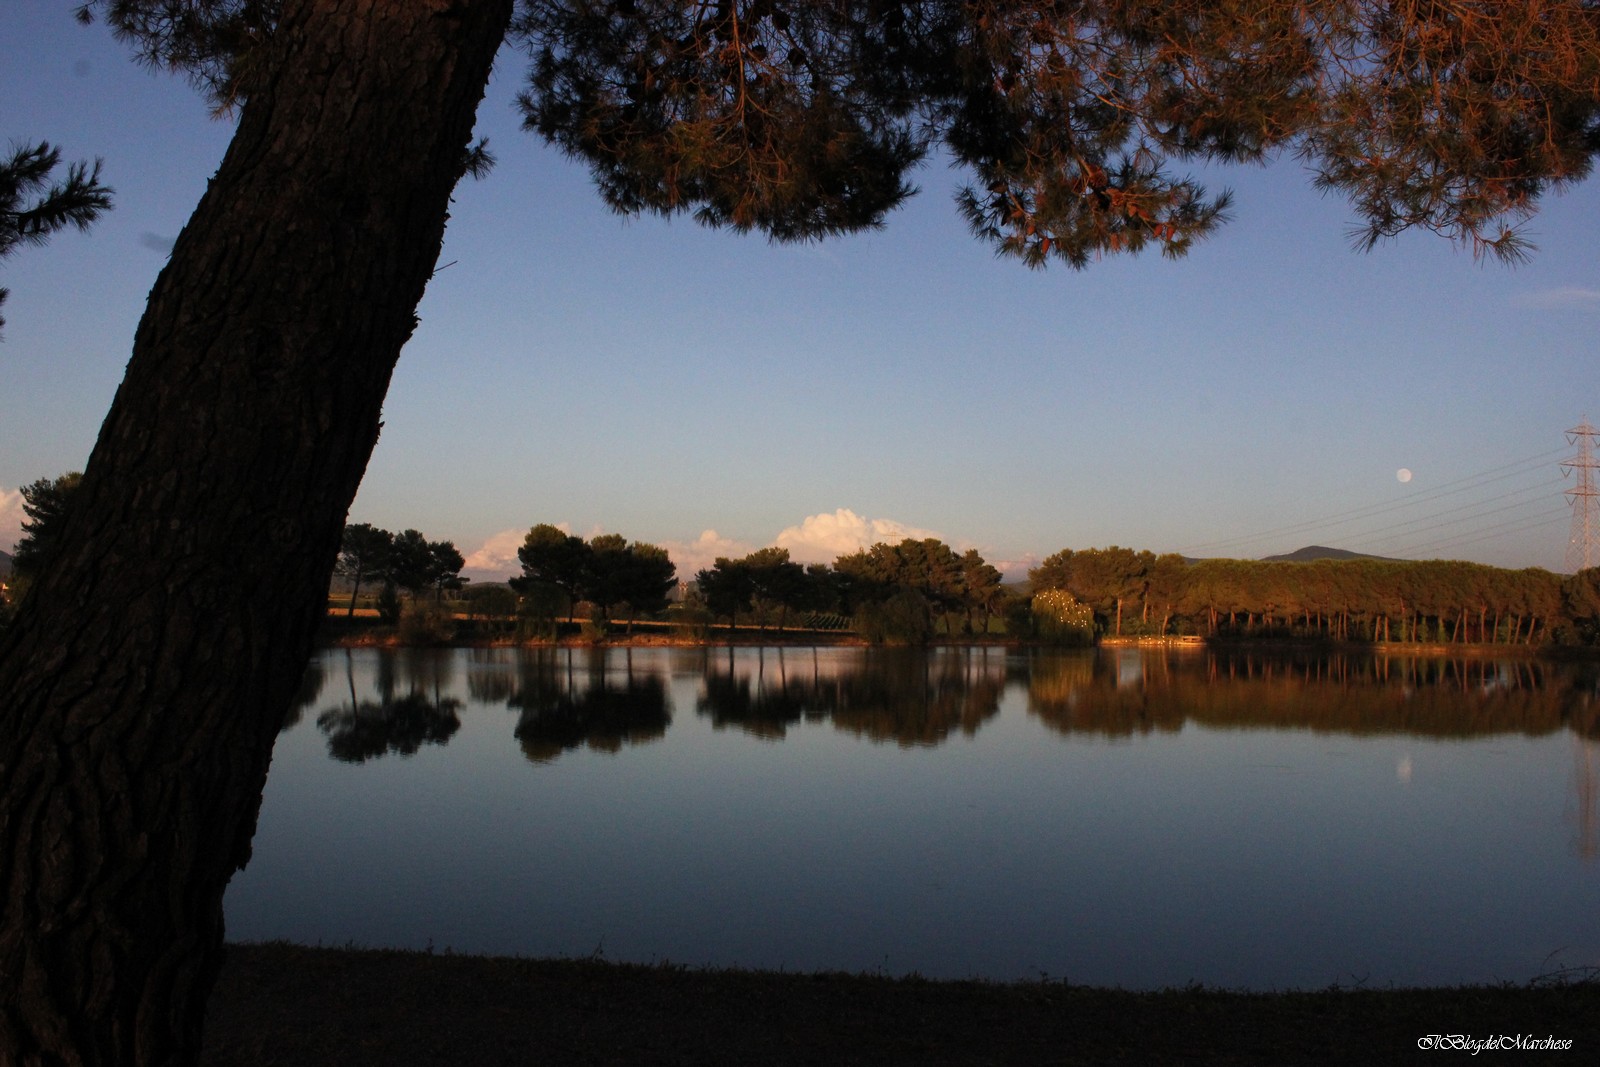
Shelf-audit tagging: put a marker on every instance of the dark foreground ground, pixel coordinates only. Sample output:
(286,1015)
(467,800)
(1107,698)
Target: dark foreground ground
(286,1005)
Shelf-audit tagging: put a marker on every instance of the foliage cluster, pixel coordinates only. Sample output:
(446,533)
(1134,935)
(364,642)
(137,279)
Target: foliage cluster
(891,592)
(33,205)
(1360,599)
(1060,619)
(690,620)
(489,600)
(763,584)
(426,622)
(560,571)
(45,502)
(406,560)
(804,118)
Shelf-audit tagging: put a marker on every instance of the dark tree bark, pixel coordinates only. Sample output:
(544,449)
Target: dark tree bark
(147,674)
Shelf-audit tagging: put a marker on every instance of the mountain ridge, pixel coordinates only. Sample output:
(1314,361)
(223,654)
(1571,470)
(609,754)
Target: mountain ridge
(1314,552)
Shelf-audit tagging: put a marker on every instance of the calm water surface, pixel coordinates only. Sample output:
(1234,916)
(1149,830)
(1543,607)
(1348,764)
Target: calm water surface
(1127,818)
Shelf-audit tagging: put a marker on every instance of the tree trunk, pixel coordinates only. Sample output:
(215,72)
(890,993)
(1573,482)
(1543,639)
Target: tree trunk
(355,591)
(148,673)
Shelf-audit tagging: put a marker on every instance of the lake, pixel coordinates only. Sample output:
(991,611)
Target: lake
(1138,818)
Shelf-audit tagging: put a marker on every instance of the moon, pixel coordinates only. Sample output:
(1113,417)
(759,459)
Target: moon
(1403,475)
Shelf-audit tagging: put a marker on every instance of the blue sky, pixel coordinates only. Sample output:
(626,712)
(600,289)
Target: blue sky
(715,393)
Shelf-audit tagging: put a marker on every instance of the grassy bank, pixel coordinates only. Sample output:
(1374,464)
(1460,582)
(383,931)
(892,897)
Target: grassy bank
(365,631)
(281,1004)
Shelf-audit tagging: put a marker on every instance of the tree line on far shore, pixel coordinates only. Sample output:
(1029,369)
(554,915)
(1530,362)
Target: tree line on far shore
(915,590)
(903,592)
(1362,599)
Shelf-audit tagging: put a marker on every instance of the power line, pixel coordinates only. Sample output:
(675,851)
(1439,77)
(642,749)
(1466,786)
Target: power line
(1486,533)
(1476,508)
(1337,519)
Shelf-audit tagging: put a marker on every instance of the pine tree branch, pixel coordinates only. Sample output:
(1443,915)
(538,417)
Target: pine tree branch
(29,216)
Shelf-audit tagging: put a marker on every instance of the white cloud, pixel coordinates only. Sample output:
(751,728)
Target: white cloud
(1015,570)
(496,558)
(691,557)
(825,537)
(11,516)
(1567,298)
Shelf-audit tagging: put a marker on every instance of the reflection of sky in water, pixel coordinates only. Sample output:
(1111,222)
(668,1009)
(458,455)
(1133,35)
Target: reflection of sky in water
(978,826)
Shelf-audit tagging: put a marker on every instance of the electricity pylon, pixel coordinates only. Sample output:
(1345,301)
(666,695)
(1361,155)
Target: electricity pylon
(1583,543)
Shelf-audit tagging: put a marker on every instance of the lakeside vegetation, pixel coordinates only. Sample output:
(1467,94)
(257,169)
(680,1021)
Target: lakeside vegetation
(1368,600)
(922,591)
(917,592)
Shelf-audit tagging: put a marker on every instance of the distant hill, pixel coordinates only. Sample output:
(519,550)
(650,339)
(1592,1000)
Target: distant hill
(5,563)
(1311,552)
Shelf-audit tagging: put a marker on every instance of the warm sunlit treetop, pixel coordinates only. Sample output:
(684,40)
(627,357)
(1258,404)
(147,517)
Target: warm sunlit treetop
(1073,119)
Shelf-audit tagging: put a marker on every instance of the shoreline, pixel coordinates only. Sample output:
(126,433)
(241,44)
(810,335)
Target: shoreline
(359,633)
(278,1003)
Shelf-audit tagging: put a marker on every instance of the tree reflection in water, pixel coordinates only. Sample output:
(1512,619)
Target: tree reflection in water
(907,696)
(1126,692)
(1586,797)
(564,707)
(763,702)
(396,701)
(310,690)
(568,698)
(359,730)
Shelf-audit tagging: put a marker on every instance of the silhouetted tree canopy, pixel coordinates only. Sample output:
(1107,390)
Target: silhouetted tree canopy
(45,503)
(364,554)
(806,118)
